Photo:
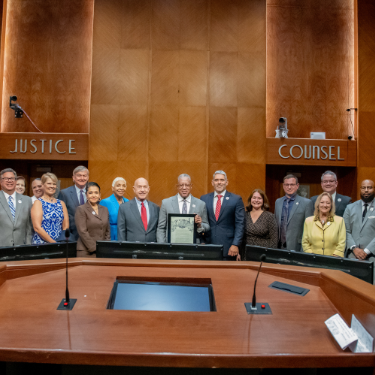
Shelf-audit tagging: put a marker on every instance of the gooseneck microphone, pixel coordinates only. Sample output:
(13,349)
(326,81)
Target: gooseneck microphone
(254,307)
(254,303)
(67,303)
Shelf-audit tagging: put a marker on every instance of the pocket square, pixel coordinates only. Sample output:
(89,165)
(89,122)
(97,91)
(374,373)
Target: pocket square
(371,217)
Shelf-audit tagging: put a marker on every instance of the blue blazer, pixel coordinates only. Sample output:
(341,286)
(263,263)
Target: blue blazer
(113,207)
(229,229)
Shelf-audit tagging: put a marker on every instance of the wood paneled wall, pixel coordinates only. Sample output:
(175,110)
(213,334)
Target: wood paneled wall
(310,66)
(366,90)
(178,87)
(47,64)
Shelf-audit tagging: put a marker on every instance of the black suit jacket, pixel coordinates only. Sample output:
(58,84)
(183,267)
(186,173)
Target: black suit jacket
(341,202)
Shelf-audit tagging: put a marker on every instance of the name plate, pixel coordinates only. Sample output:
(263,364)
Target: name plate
(50,146)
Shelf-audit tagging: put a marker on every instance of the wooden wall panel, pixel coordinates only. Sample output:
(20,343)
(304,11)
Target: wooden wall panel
(310,66)
(180,88)
(47,64)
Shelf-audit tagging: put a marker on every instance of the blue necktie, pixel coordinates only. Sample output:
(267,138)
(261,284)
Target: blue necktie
(11,207)
(81,199)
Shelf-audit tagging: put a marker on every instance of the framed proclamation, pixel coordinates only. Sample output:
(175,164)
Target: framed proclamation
(182,228)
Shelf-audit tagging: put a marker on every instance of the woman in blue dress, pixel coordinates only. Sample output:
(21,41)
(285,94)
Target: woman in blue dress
(113,203)
(48,214)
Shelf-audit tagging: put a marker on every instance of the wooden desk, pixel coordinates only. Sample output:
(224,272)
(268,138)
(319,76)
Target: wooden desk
(32,330)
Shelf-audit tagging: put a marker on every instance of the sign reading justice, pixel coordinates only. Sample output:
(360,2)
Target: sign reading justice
(50,146)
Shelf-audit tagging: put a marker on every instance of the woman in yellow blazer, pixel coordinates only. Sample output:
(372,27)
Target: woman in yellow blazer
(92,222)
(324,233)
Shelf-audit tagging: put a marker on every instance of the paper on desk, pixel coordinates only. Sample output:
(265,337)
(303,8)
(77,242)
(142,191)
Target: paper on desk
(340,331)
(365,343)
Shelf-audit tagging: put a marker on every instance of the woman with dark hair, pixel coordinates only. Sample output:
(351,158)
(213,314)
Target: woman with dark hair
(261,226)
(92,222)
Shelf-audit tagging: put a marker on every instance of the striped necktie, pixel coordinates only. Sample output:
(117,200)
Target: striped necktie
(11,207)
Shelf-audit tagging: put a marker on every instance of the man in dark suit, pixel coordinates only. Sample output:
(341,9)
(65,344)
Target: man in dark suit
(291,212)
(15,220)
(137,219)
(75,196)
(226,216)
(329,185)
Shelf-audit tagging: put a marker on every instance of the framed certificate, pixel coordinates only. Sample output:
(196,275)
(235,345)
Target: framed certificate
(182,228)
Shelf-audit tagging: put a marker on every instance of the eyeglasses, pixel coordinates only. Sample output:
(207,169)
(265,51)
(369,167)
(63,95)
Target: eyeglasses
(8,178)
(325,182)
(289,185)
(184,185)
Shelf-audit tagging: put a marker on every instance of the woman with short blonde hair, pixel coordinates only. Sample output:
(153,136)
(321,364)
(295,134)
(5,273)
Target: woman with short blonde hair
(324,233)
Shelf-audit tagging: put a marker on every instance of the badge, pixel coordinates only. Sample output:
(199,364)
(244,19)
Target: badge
(93,212)
(193,205)
(227,198)
(339,200)
(19,201)
(297,203)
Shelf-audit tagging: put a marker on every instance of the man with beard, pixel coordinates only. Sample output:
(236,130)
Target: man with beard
(360,225)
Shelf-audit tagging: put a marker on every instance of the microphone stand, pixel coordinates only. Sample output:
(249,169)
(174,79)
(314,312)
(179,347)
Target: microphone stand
(67,303)
(260,307)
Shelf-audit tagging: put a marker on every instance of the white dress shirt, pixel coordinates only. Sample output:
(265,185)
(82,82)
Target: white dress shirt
(78,190)
(181,203)
(333,196)
(216,198)
(139,205)
(6,195)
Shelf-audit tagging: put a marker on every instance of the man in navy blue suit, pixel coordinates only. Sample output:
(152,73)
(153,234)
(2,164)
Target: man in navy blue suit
(74,196)
(226,216)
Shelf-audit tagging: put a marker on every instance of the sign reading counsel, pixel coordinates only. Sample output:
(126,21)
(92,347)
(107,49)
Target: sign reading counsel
(310,152)
(51,146)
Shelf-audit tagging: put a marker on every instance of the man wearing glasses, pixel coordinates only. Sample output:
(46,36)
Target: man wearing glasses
(182,203)
(359,220)
(329,185)
(291,212)
(15,219)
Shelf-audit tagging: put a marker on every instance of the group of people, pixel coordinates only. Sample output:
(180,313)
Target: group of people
(327,224)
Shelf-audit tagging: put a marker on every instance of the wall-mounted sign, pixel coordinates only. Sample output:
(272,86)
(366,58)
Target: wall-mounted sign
(299,151)
(50,146)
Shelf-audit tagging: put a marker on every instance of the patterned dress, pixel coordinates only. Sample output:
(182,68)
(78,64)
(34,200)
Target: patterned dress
(263,232)
(53,217)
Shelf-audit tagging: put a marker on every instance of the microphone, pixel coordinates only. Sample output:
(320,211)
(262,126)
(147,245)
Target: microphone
(254,303)
(67,303)
(254,307)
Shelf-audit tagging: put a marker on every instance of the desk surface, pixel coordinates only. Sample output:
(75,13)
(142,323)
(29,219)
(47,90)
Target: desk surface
(294,336)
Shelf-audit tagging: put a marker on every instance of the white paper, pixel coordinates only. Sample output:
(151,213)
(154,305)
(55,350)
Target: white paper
(340,331)
(365,343)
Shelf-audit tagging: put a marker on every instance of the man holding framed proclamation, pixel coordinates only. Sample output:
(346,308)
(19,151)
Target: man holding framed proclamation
(182,216)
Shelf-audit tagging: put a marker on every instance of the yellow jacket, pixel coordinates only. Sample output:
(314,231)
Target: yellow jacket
(327,240)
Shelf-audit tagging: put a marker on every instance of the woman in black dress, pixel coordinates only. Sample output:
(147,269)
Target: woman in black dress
(261,226)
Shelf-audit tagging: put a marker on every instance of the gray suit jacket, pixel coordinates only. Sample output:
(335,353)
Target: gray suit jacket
(302,209)
(341,201)
(170,206)
(130,226)
(20,231)
(358,233)
(69,196)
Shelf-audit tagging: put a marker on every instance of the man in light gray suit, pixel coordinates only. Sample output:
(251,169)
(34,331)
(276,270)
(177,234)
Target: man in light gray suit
(137,219)
(182,203)
(74,196)
(359,220)
(15,219)
(291,212)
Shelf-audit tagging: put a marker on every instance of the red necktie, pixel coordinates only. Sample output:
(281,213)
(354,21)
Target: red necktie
(218,207)
(144,215)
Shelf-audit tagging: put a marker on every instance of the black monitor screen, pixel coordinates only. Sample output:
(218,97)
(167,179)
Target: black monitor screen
(161,296)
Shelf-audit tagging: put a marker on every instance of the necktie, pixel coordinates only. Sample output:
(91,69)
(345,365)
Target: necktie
(11,207)
(81,199)
(144,215)
(364,212)
(184,207)
(218,207)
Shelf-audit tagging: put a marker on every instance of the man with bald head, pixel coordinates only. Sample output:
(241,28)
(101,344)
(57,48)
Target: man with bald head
(360,225)
(138,219)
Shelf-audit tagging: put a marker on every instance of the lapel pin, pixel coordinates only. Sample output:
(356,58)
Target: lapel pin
(297,203)
(339,200)
(227,198)
(19,201)
(193,205)
(93,212)
(328,224)
(372,209)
